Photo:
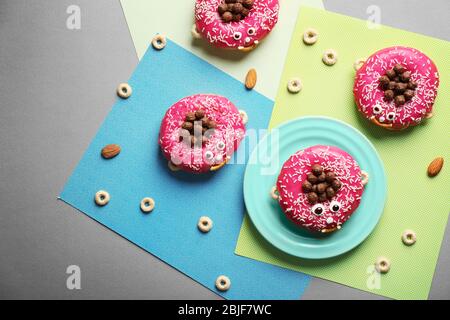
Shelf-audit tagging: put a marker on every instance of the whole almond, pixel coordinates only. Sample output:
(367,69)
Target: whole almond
(110,151)
(250,79)
(435,166)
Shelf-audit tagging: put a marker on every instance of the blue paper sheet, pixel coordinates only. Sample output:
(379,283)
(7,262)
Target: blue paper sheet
(170,231)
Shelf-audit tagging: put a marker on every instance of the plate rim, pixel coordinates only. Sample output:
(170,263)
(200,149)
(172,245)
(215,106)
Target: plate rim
(261,229)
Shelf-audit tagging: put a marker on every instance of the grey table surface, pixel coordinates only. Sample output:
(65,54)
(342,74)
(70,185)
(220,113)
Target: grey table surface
(56,87)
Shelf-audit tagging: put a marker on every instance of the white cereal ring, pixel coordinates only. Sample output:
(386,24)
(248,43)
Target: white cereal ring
(159,42)
(223,283)
(310,36)
(147,205)
(243,34)
(274,193)
(102,198)
(409,237)
(383,265)
(329,57)
(358,64)
(124,90)
(205,224)
(295,85)
(172,166)
(244,116)
(194,32)
(364,178)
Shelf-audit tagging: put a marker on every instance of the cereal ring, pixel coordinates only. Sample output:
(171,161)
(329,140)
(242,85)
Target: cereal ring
(240,26)
(244,116)
(409,237)
(274,193)
(329,57)
(159,42)
(147,205)
(396,87)
(172,166)
(124,90)
(295,85)
(223,283)
(364,178)
(194,32)
(205,224)
(383,265)
(358,64)
(102,198)
(310,36)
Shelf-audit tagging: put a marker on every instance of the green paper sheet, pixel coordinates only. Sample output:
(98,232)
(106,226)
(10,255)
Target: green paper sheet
(145,18)
(415,201)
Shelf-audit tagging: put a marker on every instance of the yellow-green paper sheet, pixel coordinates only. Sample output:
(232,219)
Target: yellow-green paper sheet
(414,200)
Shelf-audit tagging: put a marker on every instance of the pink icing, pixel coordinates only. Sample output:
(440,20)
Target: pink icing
(294,201)
(225,140)
(369,94)
(260,21)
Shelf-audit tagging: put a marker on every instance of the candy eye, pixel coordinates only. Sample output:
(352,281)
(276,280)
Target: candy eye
(237,36)
(220,145)
(377,110)
(335,206)
(318,209)
(251,31)
(390,116)
(209,155)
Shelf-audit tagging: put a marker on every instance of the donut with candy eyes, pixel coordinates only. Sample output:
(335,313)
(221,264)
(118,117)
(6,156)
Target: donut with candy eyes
(301,178)
(200,133)
(249,24)
(396,87)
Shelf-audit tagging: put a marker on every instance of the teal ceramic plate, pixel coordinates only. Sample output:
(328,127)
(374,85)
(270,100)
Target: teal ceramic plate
(262,172)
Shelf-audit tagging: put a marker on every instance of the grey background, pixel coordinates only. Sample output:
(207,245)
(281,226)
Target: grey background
(56,87)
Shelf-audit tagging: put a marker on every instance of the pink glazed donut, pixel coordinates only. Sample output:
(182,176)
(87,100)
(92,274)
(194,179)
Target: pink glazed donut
(341,173)
(379,108)
(200,133)
(245,34)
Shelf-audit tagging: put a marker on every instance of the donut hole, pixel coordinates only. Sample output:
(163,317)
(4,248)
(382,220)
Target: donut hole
(102,197)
